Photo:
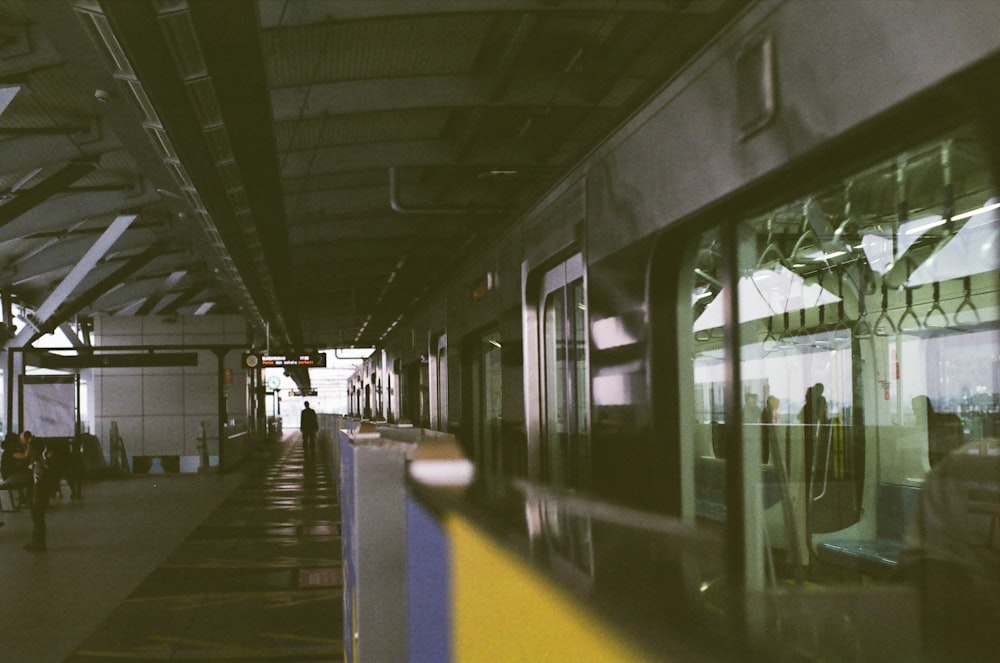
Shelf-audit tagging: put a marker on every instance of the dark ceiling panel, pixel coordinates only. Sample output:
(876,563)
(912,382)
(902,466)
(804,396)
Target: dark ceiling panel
(335,160)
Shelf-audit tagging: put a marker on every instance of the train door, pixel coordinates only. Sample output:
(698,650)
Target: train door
(842,346)
(414,394)
(483,360)
(439,383)
(392,380)
(367,411)
(565,449)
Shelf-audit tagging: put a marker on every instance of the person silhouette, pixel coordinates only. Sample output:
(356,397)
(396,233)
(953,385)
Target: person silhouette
(815,416)
(309,425)
(945,431)
(769,417)
(37,454)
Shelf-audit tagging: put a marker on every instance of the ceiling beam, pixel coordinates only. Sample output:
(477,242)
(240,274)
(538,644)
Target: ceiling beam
(296,103)
(289,14)
(28,152)
(139,30)
(58,182)
(76,275)
(186,297)
(63,211)
(105,285)
(229,37)
(63,252)
(154,300)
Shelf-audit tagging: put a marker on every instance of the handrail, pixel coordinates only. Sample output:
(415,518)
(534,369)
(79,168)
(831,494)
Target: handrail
(770,247)
(908,313)
(863,328)
(966,302)
(936,310)
(883,318)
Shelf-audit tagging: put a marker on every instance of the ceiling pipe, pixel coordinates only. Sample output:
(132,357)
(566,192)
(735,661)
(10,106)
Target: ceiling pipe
(399,208)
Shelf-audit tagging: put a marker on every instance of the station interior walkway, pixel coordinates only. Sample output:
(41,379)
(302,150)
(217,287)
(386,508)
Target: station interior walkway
(243,566)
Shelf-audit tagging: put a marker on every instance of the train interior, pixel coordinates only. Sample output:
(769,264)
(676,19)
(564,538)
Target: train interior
(867,352)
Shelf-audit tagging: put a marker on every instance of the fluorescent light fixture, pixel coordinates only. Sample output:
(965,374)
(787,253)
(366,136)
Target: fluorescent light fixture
(204,308)
(765,293)
(988,207)
(969,251)
(820,256)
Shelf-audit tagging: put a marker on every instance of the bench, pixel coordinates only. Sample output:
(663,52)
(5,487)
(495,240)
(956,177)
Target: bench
(878,558)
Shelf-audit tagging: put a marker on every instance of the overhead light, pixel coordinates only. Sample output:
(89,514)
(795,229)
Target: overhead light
(498,173)
(204,308)
(167,193)
(989,207)
(923,226)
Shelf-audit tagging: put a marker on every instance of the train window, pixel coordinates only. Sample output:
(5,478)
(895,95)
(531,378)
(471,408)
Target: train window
(414,393)
(868,343)
(707,440)
(565,452)
(440,386)
(486,402)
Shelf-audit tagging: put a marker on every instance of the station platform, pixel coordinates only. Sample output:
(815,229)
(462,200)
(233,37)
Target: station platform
(241,566)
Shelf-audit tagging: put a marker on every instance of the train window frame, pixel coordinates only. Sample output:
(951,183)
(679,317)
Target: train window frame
(742,251)
(482,364)
(564,284)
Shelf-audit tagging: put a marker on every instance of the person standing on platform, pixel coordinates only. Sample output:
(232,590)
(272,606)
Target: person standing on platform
(75,468)
(309,426)
(37,454)
(14,469)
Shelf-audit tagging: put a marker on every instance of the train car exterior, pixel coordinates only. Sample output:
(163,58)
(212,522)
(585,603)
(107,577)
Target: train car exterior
(768,307)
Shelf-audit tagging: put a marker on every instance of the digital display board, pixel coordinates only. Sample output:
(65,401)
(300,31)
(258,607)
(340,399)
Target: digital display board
(312,359)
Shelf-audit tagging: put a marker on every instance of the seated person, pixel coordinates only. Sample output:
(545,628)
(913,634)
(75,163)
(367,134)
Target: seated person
(952,554)
(14,471)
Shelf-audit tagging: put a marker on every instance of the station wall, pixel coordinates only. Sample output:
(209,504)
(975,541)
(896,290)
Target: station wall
(160,411)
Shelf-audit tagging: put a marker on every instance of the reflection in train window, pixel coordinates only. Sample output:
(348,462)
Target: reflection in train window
(868,348)
(486,395)
(565,452)
(702,392)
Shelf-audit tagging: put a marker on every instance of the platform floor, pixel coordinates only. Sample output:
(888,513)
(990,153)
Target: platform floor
(239,567)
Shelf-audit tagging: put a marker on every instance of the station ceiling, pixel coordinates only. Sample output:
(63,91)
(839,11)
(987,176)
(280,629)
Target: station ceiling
(317,166)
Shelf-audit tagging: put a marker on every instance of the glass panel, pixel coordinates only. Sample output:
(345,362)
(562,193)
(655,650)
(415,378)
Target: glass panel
(869,310)
(490,405)
(581,395)
(702,391)
(554,442)
(565,434)
(441,368)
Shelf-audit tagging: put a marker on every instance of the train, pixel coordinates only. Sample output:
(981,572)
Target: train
(766,309)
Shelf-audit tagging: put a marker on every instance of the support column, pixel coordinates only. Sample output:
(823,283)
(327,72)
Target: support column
(220,381)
